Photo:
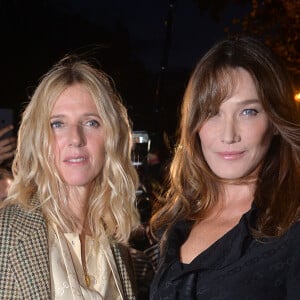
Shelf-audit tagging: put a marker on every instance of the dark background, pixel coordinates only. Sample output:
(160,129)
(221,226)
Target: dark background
(149,48)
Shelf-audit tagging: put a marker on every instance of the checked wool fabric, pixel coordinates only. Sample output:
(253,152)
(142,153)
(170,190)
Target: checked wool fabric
(24,265)
(24,257)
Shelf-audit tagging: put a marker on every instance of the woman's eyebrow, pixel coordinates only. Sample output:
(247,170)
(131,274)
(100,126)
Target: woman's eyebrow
(85,115)
(249,101)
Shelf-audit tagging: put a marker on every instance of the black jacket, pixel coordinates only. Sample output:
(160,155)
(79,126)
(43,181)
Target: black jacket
(236,267)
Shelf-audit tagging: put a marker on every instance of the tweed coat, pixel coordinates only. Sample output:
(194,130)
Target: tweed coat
(24,257)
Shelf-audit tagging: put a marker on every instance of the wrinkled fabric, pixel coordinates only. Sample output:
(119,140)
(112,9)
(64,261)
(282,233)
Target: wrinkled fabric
(67,273)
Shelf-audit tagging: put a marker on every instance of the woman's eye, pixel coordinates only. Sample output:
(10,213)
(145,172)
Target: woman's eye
(56,124)
(92,123)
(249,112)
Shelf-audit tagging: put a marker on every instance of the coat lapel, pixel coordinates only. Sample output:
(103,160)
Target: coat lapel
(29,257)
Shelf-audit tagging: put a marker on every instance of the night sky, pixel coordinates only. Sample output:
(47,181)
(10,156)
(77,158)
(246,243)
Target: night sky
(126,37)
(192,32)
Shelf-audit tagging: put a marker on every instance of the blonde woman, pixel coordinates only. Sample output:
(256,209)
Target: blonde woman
(70,210)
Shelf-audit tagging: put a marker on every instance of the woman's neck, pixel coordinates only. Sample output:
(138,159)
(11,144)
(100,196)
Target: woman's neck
(78,204)
(234,200)
(237,193)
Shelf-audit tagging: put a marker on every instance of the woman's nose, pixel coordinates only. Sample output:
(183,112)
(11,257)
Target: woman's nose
(229,131)
(76,136)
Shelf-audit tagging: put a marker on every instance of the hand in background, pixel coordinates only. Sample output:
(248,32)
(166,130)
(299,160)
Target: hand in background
(7,145)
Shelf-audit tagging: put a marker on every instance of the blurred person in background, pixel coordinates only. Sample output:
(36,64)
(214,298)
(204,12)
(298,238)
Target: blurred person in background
(7,145)
(6,179)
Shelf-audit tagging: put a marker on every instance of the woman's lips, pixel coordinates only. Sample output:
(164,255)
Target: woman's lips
(75,159)
(231,155)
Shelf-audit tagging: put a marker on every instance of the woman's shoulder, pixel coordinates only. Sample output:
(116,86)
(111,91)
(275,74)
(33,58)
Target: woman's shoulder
(14,216)
(293,237)
(294,230)
(8,211)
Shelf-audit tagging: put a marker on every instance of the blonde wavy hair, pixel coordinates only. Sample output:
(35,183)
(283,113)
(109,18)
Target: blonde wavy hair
(193,188)
(36,180)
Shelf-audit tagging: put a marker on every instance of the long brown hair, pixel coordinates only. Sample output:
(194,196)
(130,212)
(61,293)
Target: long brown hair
(193,188)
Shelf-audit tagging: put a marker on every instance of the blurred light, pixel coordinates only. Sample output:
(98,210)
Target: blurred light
(297,97)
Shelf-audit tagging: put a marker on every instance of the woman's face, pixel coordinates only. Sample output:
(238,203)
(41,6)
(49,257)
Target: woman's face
(78,137)
(236,139)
